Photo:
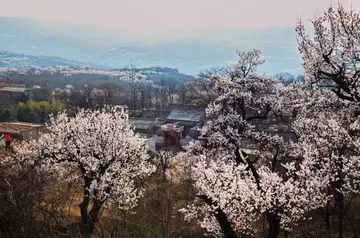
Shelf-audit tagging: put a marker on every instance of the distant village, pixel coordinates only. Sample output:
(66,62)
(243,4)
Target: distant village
(171,129)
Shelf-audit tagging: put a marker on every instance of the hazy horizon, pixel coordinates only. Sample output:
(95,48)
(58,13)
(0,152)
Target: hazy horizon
(187,35)
(165,17)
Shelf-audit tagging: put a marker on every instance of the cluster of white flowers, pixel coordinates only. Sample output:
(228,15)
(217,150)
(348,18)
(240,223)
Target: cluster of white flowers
(286,177)
(98,148)
(332,56)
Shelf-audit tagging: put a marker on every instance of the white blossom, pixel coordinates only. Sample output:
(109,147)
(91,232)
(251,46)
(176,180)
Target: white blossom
(98,148)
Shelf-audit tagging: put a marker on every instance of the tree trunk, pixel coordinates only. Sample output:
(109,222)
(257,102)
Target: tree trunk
(84,210)
(89,218)
(94,214)
(274,225)
(339,196)
(341,214)
(327,218)
(169,213)
(221,218)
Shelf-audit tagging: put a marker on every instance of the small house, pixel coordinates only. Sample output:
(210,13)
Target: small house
(188,118)
(143,125)
(14,93)
(171,134)
(22,130)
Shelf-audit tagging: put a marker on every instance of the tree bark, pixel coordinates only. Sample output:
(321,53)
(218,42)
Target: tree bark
(327,218)
(94,214)
(89,218)
(84,209)
(221,218)
(339,197)
(341,214)
(274,225)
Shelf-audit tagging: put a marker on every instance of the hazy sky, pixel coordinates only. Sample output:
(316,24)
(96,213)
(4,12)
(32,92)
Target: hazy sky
(163,15)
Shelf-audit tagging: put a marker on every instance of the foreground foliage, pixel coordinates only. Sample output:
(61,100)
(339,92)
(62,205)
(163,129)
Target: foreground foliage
(100,150)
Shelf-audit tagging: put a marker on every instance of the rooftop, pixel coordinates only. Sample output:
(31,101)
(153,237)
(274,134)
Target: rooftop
(141,123)
(172,127)
(154,113)
(17,127)
(186,115)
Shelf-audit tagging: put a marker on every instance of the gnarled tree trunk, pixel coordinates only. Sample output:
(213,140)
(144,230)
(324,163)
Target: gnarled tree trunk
(89,218)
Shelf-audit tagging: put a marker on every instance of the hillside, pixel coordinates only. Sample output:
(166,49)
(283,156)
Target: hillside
(78,76)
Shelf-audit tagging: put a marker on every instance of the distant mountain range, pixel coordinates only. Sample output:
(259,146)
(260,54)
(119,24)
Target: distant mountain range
(40,43)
